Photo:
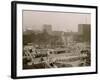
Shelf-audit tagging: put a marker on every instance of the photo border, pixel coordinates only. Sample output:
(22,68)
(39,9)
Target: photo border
(14,38)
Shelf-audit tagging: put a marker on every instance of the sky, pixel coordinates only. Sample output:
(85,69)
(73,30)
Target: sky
(60,21)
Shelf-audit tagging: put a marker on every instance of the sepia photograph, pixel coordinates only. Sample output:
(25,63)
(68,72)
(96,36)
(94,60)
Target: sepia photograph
(53,40)
(56,39)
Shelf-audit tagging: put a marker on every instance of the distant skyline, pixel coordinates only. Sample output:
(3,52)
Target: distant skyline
(60,21)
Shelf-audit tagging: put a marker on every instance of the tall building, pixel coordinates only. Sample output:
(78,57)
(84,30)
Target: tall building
(47,28)
(82,28)
(85,31)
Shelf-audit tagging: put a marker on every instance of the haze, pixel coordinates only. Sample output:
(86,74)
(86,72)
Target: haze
(60,21)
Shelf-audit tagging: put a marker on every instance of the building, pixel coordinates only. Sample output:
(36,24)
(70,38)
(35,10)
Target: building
(47,28)
(84,28)
(85,31)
